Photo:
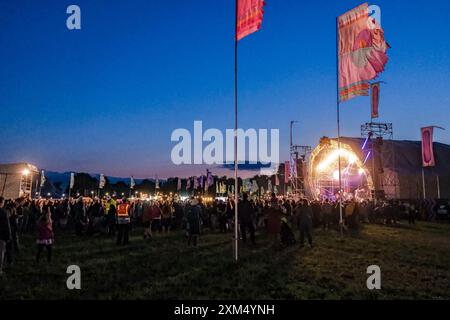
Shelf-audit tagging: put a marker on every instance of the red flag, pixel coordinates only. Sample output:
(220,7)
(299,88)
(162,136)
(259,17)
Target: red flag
(287,171)
(362,52)
(427,147)
(249,17)
(375,89)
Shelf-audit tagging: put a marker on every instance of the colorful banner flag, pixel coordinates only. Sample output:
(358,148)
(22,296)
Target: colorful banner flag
(132,183)
(427,147)
(287,171)
(72,180)
(249,17)
(277,180)
(375,99)
(102,181)
(179,184)
(362,52)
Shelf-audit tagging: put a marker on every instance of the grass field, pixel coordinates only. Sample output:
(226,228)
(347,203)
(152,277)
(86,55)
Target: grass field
(414,261)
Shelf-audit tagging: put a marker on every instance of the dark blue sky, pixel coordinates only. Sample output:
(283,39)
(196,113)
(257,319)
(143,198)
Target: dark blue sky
(106,98)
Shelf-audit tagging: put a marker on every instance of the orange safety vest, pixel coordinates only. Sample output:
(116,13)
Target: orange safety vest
(122,210)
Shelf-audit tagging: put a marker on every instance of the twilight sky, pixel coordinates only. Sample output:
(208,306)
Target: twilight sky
(107,98)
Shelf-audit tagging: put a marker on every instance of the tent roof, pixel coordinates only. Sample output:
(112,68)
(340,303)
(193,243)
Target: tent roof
(407,154)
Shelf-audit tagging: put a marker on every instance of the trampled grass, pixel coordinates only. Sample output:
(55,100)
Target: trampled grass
(414,261)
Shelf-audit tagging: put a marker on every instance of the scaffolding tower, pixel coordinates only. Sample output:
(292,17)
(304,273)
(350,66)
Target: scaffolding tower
(298,159)
(382,161)
(297,162)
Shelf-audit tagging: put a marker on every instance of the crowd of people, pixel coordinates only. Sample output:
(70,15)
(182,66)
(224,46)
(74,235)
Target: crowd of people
(278,217)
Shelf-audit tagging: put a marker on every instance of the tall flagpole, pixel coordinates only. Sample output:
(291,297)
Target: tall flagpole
(236,236)
(341,222)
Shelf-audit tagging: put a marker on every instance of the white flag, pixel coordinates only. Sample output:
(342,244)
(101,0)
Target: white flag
(195,183)
(293,169)
(132,183)
(254,186)
(72,180)
(102,182)
(42,178)
(247,185)
(188,184)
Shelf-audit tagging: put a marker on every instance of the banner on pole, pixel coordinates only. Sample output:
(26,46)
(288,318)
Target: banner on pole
(72,180)
(375,99)
(196,184)
(179,184)
(188,184)
(132,182)
(249,17)
(361,52)
(287,171)
(102,182)
(255,186)
(42,178)
(427,147)
(209,180)
(293,172)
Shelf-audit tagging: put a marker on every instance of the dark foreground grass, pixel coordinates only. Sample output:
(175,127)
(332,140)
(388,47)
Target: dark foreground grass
(415,264)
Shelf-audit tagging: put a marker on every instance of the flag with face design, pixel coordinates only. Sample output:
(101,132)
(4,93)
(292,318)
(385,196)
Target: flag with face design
(361,52)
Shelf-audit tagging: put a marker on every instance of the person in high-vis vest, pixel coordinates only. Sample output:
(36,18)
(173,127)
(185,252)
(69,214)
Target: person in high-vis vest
(123,222)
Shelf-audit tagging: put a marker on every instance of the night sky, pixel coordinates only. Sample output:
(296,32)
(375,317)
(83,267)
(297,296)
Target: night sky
(107,98)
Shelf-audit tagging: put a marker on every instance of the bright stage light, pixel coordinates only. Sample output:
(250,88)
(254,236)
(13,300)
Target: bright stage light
(361,171)
(336,175)
(26,172)
(333,156)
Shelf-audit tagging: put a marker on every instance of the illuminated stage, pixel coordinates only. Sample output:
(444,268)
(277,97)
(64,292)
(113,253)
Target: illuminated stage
(387,169)
(323,172)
